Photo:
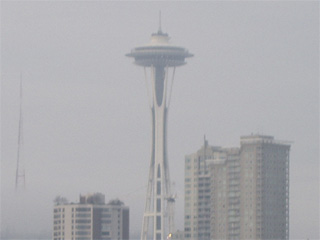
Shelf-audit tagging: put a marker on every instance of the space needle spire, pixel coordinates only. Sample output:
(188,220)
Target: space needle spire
(160,58)
(160,30)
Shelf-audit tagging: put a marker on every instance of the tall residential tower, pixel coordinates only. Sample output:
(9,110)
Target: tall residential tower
(159,56)
(238,193)
(264,183)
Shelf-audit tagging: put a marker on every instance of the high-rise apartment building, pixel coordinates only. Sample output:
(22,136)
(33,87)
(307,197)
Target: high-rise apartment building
(197,192)
(90,219)
(243,191)
(264,179)
(225,193)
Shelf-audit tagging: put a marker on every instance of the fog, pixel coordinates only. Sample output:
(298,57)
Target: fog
(86,120)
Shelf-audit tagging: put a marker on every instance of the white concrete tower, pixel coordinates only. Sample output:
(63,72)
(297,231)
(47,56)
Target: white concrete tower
(159,56)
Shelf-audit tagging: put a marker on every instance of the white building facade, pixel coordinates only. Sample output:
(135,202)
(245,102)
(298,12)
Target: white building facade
(91,219)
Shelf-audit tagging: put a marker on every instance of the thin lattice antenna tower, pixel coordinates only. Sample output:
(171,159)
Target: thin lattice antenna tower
(20,171)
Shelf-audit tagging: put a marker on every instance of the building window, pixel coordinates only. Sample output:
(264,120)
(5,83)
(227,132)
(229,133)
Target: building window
(158,222)
(83,209)
(158,205)
(159,172)
(158,188)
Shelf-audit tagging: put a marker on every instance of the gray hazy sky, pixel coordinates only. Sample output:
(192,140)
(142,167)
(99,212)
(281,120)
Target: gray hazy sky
(87,125)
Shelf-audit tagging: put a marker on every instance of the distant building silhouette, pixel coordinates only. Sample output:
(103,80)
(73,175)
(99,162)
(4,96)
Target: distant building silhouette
(238,193)
(90,219)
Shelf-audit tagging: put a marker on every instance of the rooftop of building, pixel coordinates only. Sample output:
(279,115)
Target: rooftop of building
(247,139)
(259,138)
(90,198)
(115,202)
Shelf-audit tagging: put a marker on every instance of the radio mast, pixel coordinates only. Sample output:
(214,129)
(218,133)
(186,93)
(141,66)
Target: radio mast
(20,171)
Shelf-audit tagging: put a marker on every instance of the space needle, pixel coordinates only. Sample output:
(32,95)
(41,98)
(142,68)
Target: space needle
(159,59)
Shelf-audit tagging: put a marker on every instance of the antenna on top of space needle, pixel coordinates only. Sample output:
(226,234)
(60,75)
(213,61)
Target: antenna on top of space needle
(160,31)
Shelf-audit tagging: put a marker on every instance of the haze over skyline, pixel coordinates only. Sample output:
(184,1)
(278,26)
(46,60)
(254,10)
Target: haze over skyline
(87,125)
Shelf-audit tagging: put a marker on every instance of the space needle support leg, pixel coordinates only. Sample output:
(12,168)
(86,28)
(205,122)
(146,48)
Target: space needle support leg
(172,78)
(146,218)
(150,190)
(159,87)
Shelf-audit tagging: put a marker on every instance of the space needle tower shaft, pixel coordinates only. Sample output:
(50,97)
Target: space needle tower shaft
(160,57)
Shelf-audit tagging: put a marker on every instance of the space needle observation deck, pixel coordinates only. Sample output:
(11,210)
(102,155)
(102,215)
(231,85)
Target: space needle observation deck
(159,52)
